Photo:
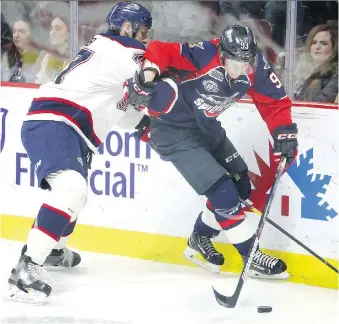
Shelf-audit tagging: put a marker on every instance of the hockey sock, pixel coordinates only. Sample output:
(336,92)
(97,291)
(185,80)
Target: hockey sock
(50,224)
(204,228)
(208,222)
(244,247)
(231,219)
(65,236)
(236,226)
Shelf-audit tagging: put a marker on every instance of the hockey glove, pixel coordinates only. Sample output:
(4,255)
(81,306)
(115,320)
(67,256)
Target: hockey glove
(285,142)
(143,129)
(243,184)
(138,92)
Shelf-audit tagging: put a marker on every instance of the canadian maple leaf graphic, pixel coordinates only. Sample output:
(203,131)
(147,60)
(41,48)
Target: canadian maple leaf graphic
(313,186)
(262,182)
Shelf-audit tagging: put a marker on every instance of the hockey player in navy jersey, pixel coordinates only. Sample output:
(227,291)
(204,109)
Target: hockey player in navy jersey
(66,122)
(198,82)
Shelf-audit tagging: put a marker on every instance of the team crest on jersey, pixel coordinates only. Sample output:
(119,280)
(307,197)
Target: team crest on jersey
(216,75)
(137,58)
(197,44)
(213,105)
(210,86)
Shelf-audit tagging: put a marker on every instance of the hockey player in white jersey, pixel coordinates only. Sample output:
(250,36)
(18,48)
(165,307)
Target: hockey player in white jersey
(66,122)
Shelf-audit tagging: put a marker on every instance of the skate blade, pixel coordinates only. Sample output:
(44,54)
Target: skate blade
(194,257)
(33,297)
(280,276)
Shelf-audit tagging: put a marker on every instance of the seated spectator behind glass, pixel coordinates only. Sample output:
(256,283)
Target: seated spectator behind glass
(20,62)
(57,58)
(6,34)
(317,68)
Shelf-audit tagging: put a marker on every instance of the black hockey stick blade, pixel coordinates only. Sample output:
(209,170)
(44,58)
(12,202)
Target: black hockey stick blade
(224,300)
(231,301)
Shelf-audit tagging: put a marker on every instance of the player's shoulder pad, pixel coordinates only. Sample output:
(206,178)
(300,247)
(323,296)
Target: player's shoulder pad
(125,41)
(199,53)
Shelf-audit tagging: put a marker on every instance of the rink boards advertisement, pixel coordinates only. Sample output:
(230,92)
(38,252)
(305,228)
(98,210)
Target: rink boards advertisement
(139,205)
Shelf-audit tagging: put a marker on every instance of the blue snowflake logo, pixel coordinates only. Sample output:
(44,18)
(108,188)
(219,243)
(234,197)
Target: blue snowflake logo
(313,187)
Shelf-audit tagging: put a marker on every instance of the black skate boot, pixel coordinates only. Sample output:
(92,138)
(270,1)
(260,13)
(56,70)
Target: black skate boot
(201,252)
(264,266)
(26,283)
(60,258)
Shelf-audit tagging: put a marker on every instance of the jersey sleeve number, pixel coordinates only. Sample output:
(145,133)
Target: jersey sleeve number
(82,57)
(275,80)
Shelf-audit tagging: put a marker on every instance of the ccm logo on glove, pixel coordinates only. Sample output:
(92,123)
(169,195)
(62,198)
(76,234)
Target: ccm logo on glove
(285,142)
(286,136)
(139,91)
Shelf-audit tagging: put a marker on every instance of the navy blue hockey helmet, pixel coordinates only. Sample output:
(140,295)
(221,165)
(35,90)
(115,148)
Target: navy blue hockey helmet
(238,43)
(128,11)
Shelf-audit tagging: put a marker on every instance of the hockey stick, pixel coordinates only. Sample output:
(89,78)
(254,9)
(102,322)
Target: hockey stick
(290,236)
(231,301)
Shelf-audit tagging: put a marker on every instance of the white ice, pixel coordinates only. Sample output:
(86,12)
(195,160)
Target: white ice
(111,289)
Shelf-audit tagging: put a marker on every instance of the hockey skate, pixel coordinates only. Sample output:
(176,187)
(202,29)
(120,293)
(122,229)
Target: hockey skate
(201,252)
(60,258)
(26,283)
(264,266)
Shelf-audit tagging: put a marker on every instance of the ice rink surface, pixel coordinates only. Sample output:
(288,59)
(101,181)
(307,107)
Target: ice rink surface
(110,289)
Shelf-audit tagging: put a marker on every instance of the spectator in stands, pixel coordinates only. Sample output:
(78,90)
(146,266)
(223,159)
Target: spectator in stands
(20,62)
(317,67)
(57,58)
(6,34)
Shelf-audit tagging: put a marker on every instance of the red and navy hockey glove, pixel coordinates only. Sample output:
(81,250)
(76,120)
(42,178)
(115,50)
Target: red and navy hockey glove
(143,129)
(138,92)
(285,142)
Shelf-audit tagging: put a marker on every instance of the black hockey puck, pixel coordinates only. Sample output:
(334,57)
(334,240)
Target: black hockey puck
(264,309)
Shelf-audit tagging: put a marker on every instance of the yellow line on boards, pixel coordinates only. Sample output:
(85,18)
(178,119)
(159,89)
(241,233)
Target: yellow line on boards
(164,248)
